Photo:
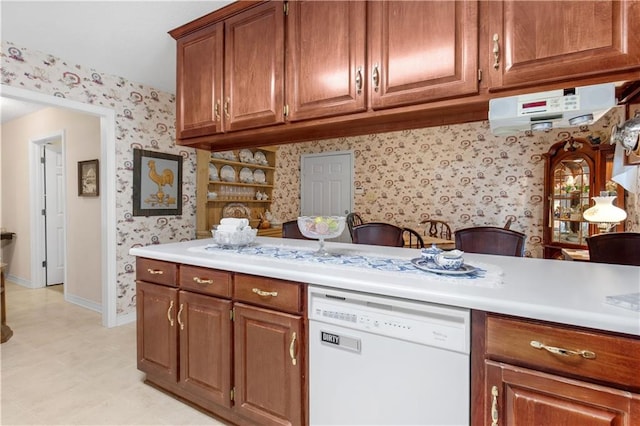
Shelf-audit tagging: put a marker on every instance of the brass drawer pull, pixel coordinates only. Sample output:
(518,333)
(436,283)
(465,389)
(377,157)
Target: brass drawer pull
(496,52)
(169,313)
(562,351)
(494,406)
(265,293)
(155,271)
(179,314)
(292,351)
(202,281)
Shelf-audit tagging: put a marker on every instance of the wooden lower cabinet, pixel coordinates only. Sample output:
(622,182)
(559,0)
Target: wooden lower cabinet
(527,372)
(245,364)
(268,365)
(519,396)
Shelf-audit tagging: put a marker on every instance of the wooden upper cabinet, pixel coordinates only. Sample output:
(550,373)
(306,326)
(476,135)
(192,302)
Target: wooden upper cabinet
(254,67)
(325,58)
(420,51)
(546,41)
(199,82)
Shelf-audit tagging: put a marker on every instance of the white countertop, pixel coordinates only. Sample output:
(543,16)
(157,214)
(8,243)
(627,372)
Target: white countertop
(551,290)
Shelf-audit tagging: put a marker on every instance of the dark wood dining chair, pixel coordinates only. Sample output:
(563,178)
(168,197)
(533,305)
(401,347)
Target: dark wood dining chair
(490,240)
(412,238)
(622,248)
(353,219)
(436,229)
(378,234)
(290,230)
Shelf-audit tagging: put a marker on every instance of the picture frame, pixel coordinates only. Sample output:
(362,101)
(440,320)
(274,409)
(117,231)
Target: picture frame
(157,183)
(88,178)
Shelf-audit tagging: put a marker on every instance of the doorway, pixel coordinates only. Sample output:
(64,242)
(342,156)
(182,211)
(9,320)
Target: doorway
(108,273)
(327,185)
(53,194)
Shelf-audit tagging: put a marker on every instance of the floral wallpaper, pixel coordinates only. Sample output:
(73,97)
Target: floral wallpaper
(461,174)
(144,119)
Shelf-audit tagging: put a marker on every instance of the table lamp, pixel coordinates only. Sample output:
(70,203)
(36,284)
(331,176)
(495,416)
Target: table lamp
(604,214)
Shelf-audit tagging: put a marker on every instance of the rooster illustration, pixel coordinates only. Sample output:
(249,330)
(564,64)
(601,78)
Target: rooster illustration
(166,178)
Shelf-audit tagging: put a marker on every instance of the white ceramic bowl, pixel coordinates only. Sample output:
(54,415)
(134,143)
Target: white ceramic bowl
(324,227)
(234,239)
(450,260)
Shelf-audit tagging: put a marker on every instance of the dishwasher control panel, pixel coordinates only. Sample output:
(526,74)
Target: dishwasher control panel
(419,322)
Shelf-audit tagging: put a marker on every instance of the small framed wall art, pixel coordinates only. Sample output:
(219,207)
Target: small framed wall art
(157,183)
(88,178)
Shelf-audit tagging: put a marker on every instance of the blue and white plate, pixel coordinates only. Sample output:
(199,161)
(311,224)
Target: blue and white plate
(424,265)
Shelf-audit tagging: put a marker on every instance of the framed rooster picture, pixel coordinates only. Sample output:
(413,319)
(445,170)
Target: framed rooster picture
(157,183)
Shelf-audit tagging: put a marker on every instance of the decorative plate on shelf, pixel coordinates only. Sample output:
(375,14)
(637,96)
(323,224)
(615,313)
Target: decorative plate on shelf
(225,155)
(246,175)
(213,172)
(259,158)
(246,156)
(228,174)
(259,177)
(236,210)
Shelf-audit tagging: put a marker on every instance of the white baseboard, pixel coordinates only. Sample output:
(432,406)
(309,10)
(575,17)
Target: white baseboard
(20,281)
(125,319)
(97,307)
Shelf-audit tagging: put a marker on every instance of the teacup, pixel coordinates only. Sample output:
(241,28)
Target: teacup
(450,260)
(429,254)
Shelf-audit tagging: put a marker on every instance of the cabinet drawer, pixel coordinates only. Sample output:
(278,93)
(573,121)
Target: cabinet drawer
(277,294)
(157,271)
(608,358)
(205,280)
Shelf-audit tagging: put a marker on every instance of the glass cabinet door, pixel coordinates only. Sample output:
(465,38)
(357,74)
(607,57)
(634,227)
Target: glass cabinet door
(569,199)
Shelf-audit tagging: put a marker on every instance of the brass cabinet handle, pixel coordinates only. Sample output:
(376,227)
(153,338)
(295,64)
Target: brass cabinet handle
(169,314)
(496,51)
(265,293)
(494,406)
(562,351)
(359,80)
(202,281)
(375,77)
(216,110)
(292,352)
(226,107)
(155,271)
(180,313)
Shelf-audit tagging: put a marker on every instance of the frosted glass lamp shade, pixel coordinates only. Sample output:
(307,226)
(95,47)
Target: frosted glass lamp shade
(604,211)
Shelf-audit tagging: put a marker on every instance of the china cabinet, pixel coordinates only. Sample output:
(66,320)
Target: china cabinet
(575,170)
(533,372)
(236,183)
(537,42)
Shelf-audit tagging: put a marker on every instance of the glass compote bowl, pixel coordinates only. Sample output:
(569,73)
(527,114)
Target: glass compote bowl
(321,228)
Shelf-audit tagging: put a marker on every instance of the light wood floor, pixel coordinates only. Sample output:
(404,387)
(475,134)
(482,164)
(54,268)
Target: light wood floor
(61,367)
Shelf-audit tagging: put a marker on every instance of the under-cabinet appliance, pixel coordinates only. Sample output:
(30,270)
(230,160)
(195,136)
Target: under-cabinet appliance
(377,360)
(551,109)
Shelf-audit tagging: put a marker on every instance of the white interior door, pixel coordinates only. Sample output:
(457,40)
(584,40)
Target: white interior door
(54,208)
(327,185)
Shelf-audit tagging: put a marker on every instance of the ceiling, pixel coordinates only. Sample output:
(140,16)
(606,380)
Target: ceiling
(124,38)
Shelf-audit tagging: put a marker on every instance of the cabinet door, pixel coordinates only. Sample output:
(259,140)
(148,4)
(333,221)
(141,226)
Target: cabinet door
(199,83)
(325,69)
(157,330)
(254,67)
(516,396)
(546,41)
(420,51)
(269,364)
(205,347)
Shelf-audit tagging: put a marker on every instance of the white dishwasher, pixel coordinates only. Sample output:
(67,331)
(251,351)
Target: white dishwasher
(376,360)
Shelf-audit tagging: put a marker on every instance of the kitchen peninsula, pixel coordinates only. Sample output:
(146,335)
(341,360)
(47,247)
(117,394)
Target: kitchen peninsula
(535,297)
